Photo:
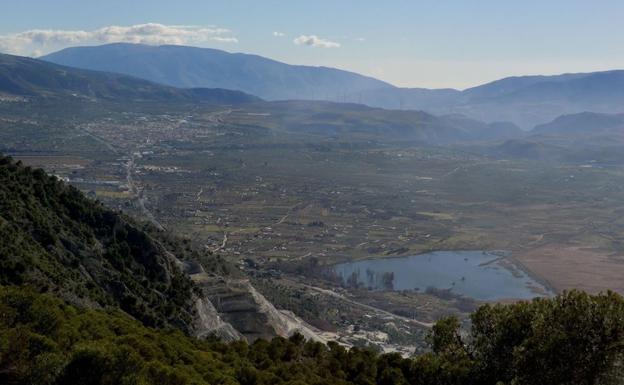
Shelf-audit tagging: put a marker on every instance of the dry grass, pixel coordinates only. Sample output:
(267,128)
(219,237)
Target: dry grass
(567,267)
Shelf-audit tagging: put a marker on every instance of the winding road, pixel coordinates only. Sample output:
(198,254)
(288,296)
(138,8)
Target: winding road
(341,297)
(130,166)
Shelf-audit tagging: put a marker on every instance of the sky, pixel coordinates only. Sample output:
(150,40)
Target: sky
(409,43)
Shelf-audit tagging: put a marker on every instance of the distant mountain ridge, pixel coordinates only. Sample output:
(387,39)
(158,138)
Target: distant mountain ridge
(361,122)
(586,137)
(22,76)
(585,123)
(525,100)
(33,78)
(187,67)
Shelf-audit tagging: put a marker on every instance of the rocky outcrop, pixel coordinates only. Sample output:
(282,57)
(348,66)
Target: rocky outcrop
(238,303)
(284,323)
(232,308)
(208,322)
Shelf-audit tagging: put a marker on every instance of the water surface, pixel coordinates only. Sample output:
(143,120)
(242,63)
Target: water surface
(476,274)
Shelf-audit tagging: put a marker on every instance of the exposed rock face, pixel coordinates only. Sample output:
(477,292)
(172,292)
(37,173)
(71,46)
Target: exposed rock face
(208,322)
(282,323)
(234,300)
(249,312)
(232,308)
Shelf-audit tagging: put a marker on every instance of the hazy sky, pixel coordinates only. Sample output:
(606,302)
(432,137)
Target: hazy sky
(412,43)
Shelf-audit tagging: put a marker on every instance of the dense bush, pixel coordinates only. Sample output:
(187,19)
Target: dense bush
(572,339)
(55,238)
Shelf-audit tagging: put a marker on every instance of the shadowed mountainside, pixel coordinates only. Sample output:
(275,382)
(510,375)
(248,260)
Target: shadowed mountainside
(21,76)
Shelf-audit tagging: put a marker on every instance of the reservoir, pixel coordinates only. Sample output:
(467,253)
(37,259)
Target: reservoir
(479,275)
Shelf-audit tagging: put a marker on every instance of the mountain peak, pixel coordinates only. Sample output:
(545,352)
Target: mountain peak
(212,68)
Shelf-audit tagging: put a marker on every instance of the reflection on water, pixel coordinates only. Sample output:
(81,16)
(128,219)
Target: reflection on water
(476,274)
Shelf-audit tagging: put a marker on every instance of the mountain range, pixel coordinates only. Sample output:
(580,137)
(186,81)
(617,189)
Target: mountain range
(32,78)
(26,77)
(527,100)
(89,295)
(188,67)
(587,138)
(585,123)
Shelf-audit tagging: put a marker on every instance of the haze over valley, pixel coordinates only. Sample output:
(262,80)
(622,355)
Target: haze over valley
(176,213)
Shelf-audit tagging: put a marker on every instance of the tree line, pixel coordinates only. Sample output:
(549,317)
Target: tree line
(574,338)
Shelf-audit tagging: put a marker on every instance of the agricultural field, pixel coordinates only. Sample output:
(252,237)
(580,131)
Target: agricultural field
(276,191)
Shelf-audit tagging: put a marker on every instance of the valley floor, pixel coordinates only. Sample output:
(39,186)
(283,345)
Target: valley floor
(241,185)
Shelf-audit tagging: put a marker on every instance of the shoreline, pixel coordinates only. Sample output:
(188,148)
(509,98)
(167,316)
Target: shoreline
(541,287)
(535,276)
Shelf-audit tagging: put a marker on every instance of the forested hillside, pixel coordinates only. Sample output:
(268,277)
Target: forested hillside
(573,339)
(57,240)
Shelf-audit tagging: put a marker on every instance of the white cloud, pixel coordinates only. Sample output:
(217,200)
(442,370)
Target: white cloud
(39,40)
(315,41)
(278,34)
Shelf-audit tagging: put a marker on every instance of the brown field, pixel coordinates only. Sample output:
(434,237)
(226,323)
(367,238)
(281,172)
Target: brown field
(572,267)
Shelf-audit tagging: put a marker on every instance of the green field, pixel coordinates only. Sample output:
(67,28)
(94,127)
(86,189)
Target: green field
(280,183)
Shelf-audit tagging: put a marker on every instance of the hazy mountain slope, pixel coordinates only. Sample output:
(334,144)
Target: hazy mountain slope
(586,137)
(478,130)
(35,78)
(356,121)
(587,123)
(182,66)
(567,94)
(440,100)
(526,101)
(512,84)
(523,100)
